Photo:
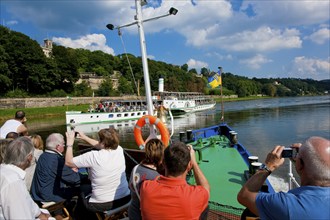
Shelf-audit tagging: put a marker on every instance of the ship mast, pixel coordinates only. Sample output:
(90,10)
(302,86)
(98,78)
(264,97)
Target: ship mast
(139,22)
(138,5)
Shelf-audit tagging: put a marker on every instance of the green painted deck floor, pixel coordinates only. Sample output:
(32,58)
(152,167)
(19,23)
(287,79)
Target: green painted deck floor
(224,168)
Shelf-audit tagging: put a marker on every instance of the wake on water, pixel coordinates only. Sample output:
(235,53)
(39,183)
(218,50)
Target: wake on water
(279,184)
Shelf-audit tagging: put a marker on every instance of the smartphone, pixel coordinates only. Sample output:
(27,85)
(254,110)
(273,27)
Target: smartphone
(289,152)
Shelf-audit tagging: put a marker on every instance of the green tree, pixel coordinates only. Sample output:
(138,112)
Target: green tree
(269,89)
(193,70)
(125,87)
(205,72)
(67,65)
(83,89)
(5,81)
(185,67)
(105,88)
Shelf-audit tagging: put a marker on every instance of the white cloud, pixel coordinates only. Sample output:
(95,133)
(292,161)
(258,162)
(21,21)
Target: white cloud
(255,62)
(321,36)
(12,22)
(192,63)
(71,16)
(151,57)
(220,56)
(303,67)
(91,42)
(289,13)
(262,39)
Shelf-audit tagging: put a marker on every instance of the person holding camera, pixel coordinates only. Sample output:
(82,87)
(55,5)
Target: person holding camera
(309,201)
(53,181)
(106,167)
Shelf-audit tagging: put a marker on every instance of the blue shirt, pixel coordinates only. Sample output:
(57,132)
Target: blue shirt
(52,178)
(306,202)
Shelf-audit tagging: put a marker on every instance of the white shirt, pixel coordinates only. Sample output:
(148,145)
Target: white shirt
(9,126)
(29,172)
(107,174)
(15,201)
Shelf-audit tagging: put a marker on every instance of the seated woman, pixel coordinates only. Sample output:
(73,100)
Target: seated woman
(38,144)
(146,170)
(106,170)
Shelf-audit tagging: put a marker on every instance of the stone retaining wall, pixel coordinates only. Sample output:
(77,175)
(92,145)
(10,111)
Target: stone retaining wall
(21,103)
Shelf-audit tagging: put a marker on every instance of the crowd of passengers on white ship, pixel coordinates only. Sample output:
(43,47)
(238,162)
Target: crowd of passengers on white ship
(116,107)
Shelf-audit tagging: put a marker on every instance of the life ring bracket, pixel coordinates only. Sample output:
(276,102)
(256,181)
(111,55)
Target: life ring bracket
(150,120)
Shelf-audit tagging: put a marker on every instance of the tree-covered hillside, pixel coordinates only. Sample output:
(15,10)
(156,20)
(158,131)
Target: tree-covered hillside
(26,72)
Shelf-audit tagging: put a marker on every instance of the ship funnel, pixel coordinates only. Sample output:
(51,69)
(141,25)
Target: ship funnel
(161,85)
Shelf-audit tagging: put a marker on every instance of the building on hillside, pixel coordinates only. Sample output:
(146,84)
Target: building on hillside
(47,48)
(94,81)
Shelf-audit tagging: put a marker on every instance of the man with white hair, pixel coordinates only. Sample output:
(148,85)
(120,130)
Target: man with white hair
(310,201)
(53,181)
(15,201)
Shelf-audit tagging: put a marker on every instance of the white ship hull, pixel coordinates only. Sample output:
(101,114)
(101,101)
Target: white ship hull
(78,117)
(187,105)
(182,123)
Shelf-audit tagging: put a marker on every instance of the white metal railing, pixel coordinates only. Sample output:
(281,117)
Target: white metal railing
(292,180)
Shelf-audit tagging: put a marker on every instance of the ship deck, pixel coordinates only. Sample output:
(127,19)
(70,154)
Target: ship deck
(224,168)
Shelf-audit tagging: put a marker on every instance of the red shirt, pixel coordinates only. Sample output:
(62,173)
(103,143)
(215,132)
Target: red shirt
(170,198)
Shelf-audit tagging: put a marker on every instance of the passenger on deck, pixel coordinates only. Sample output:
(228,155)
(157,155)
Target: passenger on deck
(3,144)
(146,170)
(162,113)
(53,181)
(309,201)
(12,135)
(106,169)
(38,144)
(14,125)
(170,196)
(15,201)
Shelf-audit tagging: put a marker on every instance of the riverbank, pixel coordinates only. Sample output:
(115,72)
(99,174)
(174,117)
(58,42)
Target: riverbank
(42,112)
(59,111)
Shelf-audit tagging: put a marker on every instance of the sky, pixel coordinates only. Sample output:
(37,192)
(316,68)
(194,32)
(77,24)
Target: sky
(260,38)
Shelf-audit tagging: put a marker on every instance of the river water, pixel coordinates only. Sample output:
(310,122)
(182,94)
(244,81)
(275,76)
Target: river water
(260,124)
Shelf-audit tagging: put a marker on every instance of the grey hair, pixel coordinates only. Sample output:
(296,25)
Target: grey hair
(316,168)
(53,140)
(17,151)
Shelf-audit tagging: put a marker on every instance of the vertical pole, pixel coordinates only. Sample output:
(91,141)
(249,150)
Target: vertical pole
(222,106)
(290,174)
(144,61)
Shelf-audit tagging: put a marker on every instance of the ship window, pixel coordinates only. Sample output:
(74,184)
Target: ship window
(119,115)
(139,113)
(110,116)
(126,114)
(144,113)
(132,114)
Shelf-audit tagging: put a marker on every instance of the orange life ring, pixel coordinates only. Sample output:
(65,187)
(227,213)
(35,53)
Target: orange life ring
(151,120)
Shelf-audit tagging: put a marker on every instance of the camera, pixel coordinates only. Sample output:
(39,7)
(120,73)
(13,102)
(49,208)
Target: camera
(289,152)
(75,133)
